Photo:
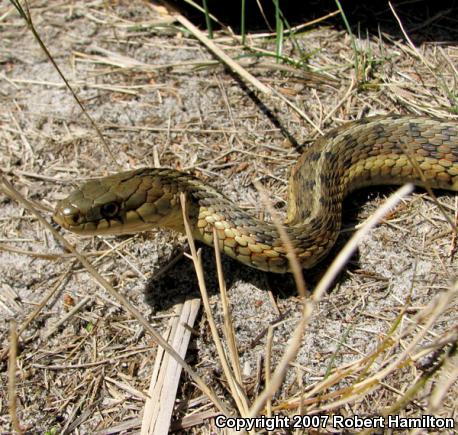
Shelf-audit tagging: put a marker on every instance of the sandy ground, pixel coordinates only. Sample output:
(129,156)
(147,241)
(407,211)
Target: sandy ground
(158,96)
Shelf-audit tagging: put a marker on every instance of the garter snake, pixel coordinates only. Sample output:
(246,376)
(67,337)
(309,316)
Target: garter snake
(371,151)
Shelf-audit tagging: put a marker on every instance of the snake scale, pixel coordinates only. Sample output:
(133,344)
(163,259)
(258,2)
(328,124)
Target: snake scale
(370,151)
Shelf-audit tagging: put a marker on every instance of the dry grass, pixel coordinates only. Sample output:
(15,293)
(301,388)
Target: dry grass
(382,341)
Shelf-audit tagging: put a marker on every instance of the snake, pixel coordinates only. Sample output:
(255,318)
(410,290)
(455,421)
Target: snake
(380,150)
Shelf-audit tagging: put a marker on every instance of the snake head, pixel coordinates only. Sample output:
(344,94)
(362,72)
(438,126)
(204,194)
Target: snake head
(124,203)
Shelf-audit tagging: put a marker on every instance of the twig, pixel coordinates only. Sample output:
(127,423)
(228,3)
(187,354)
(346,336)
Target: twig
(228,323)
(352,244)
(12,397)
(28,19)
(234,66)
(237,391)
(166,374)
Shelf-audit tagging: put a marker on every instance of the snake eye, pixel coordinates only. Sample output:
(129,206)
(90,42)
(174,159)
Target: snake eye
(109,210)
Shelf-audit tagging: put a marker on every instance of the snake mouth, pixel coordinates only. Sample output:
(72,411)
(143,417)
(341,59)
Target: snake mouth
(72,220)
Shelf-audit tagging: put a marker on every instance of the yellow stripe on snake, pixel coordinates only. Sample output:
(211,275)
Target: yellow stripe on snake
(371,151)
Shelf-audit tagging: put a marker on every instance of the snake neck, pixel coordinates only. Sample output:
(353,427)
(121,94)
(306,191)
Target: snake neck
(246,238)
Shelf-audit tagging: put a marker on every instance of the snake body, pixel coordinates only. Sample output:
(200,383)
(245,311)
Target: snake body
(371,151)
